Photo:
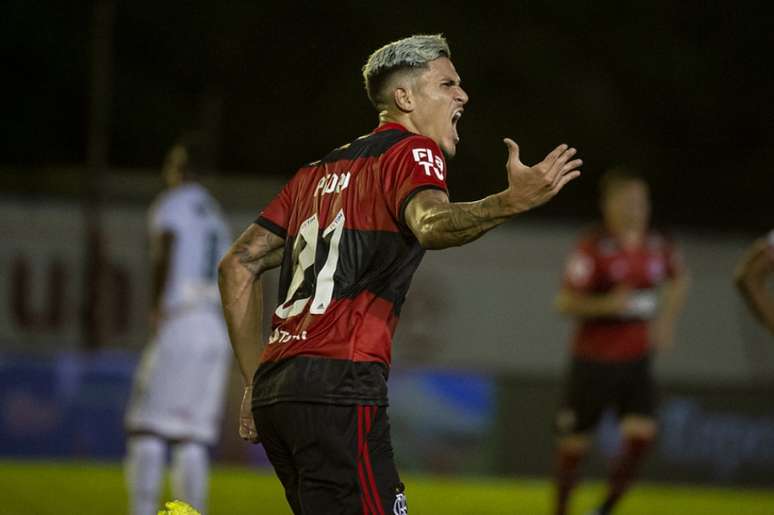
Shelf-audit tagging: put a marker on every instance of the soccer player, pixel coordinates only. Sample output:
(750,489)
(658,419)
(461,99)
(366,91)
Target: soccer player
(624,284)
(350,230)
(179,387)
(753,274)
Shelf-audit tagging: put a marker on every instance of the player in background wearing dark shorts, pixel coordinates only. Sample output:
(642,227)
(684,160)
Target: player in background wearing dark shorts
(349,231)
(625,286)
(752,277)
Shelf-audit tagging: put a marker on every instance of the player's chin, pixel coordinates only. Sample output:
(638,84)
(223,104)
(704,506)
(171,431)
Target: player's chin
(449,149)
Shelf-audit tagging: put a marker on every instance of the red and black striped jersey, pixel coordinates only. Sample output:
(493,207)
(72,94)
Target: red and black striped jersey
(349,259)
(598,265)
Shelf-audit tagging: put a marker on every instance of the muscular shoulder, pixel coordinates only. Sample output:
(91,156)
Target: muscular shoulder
(375,144)
(416,152)
(415,144)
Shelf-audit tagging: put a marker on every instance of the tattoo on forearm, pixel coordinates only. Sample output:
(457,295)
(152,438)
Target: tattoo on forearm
(457,224)
(258,263)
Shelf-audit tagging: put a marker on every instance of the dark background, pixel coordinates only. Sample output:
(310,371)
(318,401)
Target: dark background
(680,90)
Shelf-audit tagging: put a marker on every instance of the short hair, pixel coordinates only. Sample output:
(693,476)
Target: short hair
(616,177)
(411,53)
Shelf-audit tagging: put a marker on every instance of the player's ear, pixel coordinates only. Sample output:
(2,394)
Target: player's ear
(403,98)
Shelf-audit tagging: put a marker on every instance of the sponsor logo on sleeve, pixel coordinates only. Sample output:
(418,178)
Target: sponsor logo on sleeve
(429,162)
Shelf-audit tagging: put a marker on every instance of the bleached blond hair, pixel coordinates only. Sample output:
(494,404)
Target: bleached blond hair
(407,54)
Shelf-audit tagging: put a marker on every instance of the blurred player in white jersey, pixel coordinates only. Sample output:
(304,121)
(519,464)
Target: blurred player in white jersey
(753,274)
(179,387)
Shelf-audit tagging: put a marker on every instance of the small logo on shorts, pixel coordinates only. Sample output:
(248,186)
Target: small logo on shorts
(400,507)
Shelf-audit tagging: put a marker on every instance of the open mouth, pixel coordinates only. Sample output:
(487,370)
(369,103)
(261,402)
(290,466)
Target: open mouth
(454,119)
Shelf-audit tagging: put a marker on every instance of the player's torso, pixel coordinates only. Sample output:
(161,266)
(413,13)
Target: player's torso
(641,270)
(348,262)
(201,237)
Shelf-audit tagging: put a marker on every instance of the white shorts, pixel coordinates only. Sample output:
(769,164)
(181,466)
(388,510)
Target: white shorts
(179,386)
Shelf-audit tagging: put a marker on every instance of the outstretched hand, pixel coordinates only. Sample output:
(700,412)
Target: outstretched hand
(531,186)
(247,429)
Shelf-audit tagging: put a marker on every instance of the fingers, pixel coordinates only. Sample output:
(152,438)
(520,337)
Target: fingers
(572,165)
(554,155)
(247,430)
(513,148)
(564,179)
(557,168)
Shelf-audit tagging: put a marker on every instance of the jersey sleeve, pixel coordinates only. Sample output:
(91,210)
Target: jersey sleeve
(164,217)
(580,269)
(413,165)
(275,217)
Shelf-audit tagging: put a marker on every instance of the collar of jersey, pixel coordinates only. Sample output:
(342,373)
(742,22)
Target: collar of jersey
(391,126)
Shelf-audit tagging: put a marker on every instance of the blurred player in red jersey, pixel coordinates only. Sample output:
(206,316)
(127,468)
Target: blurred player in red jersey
(349,231)
(624,283)
(752,276)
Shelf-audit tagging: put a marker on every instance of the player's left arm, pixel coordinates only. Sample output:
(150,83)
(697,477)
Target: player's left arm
(239,280)
(671,304)
(241,289)
(751,277)
(438,223)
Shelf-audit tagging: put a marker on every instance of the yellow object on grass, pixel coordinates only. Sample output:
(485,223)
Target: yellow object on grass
(178,508)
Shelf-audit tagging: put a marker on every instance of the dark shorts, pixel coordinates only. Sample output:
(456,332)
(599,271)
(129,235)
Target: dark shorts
(332,459)
(595,386)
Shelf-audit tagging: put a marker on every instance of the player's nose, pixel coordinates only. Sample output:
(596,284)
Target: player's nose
(462,96)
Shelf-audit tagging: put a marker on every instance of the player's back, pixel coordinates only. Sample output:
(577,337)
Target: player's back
(200,238)
(349,257)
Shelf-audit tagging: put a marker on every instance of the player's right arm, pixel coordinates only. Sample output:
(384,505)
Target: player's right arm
(751,276)
(590,305)
(578,296)
(241,292)
(438,223)
(239,281)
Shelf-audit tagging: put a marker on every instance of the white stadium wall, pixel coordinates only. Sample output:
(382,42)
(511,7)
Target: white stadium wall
(485,306)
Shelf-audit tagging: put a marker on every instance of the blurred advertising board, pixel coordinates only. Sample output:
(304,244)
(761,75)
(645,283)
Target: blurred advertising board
(71,405)
(715,434)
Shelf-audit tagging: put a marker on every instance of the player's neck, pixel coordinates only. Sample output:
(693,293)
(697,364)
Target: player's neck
(628,237)
(180,183)
(400,118)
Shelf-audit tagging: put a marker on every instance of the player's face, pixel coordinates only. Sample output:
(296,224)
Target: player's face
(174,166)
(439,104)
(627,206)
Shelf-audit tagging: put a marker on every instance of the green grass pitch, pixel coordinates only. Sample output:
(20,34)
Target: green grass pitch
(86,488)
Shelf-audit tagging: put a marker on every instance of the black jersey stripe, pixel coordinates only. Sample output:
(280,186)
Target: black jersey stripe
(272,227)
(320,379)
(411,194)
(371,145)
